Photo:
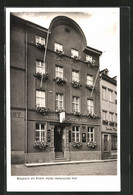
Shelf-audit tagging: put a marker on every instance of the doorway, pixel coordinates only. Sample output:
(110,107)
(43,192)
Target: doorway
(58,139)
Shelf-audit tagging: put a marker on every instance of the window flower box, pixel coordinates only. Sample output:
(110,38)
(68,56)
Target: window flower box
(76,84)
(59,80)
(92,115)
(90,87)
(91,144)
(76,57)
(91,63)
(111,123)
(77,113)
(105,122)
(40,45)
(41,110)
(77,144)
(59,52)
(40,144)
(39,76)
(59,110)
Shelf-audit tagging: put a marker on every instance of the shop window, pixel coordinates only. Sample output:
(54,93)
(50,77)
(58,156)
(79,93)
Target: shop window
(103,93)
(90,134)
(88,58)
(90,107)
(76,134)
(75,104)
(58,47)
(75,75)
(59,102)
(40,67)
(40,41)
(40,98)
(59,71)
(40,132)
(89,80)
(74,53)
(113,143)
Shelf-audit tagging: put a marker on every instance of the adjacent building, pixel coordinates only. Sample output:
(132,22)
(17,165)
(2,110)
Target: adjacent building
(55,93)
(108,87)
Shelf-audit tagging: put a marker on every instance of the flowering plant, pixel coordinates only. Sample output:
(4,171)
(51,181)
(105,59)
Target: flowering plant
(40,75)
(76,84)
(77,113)
(76,57)
(105,121)
(111,123)
(77,144)
(59,110)
(40,144)
(40,109)
(40,45)
(60,80)
(59,52)
(90,87)
(90,115)
(91,144)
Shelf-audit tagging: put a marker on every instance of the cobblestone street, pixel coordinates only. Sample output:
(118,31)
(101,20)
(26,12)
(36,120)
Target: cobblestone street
(97,168)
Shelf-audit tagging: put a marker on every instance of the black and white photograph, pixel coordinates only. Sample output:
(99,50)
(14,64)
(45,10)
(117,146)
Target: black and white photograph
(63,99)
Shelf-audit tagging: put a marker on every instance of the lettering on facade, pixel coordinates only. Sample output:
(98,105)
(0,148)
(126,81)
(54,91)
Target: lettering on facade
(16,114)
(65,61)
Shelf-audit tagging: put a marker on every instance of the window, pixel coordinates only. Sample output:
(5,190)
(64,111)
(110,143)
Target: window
(110,95)
(59,102)
(90,134)
(90,80)
(40,67)
(104,115)
(74,53)
(58,47)
(90,106)
(75,76)
(113,142)
(59,71)
(40,132)
(116,118)
(103,93)
(40,98)
(88,58)
(40,40)
(111,117)
(76,134)
(106,144)
(75,104)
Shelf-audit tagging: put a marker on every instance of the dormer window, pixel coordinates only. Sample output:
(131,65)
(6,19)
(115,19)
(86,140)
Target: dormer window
(58,47)
(88,58)
(40,41)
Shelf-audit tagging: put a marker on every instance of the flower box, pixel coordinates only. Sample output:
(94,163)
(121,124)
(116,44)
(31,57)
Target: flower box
(77,113)
(41,46)
(40,144)
(59,52)
(76,57)
(60,80)
(90,87)
(59,110)
(91,63)
(41,110)
(111,123)
(39,76)
(76,84)
(92,115)
(105,122)
(91,144)
(77,144)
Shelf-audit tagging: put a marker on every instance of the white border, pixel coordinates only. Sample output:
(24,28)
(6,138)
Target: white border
(82,183)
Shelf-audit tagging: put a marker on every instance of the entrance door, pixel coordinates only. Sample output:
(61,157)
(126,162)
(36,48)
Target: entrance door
(58,139)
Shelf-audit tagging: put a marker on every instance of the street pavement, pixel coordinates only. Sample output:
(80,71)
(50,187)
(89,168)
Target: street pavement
(97,168)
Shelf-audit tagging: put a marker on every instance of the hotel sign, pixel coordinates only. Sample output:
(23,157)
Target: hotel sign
(62,117)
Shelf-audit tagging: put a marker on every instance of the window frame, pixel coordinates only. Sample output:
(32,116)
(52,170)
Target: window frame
(90,134)
(90,108)
(104,88)
(89,81)
(57,101)
(40,67)
(40,130)
(40,102)
(110,95)
(40,40)
(58,47)
(57,72)
(76,138)
(111,116)
(90,58)
(76,104)
(74,72)
(73,51)
(105,117)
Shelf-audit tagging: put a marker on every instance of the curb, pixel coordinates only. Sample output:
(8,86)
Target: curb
(67,162)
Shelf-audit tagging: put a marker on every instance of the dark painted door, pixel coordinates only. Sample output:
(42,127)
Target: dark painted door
(58,139)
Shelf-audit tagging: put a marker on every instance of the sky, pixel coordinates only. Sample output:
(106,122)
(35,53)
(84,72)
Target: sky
(100,26)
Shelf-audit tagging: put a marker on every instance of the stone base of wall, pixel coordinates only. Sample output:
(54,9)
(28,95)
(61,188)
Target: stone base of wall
(40,157)
(85,155)
(17,157)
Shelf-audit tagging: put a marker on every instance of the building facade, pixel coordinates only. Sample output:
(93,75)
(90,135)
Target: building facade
(55,93)
(108,89)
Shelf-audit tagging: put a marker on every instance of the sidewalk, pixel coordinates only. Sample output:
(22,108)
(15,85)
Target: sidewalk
(68,162)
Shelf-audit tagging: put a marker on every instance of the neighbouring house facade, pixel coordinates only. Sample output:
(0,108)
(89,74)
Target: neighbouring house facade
(55,93)
(108,87)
